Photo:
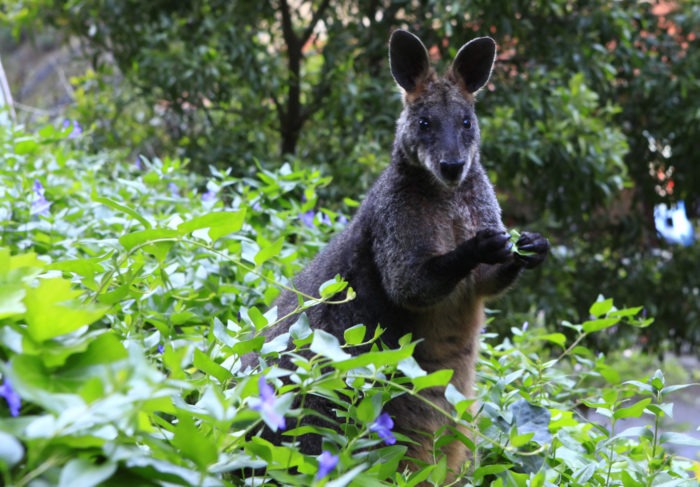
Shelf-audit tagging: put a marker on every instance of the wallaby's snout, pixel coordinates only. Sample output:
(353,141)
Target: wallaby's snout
(451,170)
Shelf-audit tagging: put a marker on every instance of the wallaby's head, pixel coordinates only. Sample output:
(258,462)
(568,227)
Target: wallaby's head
(438,129)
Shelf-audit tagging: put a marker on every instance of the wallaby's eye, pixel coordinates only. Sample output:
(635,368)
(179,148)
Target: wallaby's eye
(466,123)
(424,123)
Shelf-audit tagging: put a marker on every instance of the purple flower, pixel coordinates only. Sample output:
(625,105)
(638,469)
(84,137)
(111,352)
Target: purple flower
(326,464)
(138,164)
(174,190)
(14,402)
(76,131)
(161,348)
(307,218)
(40,205)
(209,196)
(265,405)
(382,426)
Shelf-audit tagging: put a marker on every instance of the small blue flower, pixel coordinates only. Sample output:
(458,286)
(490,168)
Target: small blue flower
(138,164)
(210,195)
(161,348)
(77,129)
(40,205)
(326,464)
(265,405)
(174,190)
(382,426)
(38,187)
(14,402)
(307,218)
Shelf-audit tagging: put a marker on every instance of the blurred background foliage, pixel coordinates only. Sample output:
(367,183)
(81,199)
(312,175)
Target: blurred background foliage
(590,120)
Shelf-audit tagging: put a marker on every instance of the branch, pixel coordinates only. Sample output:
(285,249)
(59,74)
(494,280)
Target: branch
(290,37)
(314,20)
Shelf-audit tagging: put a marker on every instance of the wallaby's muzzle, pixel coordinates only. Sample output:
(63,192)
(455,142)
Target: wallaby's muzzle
(451,170)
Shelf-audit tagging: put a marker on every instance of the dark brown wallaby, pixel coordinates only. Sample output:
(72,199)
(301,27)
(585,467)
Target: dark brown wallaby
(427,247)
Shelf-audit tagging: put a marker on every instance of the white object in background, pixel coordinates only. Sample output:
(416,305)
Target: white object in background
(673,225)
(5,95)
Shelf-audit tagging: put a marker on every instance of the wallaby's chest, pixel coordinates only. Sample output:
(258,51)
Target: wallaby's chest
(454,223)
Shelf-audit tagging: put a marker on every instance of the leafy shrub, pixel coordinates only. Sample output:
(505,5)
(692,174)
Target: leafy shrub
(129,292)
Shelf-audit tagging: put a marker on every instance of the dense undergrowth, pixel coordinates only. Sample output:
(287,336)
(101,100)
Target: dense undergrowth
(129,290)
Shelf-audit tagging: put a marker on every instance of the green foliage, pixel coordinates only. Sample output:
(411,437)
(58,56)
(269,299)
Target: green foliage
(589,103)
(127,304)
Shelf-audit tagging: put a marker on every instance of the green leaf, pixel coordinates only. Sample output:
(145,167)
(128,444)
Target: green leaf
(410,368)
(347,477)
(678,387)
(634,411)
(658,381)
(247,346)
(193,443)
(25,145)
(437,379)
(93,348)
(204,363)
(15,269)
(520,440)
(52,310)
(369,408)
(220,223)
(327,345)
(332,287)
(269,251)
(388,357)
(11,300)
(599,324)
(610,374)
(156,241)
(86,473)
(626,312)
(256,317)
(124,209)
(679,439)
(355,334)
(87,267)
(556,338)
(482,472)
(601,307)
(11,450)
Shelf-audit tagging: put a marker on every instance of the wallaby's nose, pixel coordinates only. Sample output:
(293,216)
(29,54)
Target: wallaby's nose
(451,170)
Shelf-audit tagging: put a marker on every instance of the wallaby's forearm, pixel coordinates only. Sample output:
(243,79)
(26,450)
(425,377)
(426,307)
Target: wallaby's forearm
(436,278)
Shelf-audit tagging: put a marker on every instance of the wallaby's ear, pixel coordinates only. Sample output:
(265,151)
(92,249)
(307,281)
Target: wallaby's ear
(408,59)
(473,64)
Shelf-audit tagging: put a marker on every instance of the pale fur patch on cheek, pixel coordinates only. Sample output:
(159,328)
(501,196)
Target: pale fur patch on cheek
(426,159)
(471,154)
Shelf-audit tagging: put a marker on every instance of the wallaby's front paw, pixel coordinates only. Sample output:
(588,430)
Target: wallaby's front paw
(492,246)
(532,249)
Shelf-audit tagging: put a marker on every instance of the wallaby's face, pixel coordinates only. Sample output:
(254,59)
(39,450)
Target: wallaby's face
(437,128)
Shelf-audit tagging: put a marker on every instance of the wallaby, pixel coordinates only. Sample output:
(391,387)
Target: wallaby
(427,246)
